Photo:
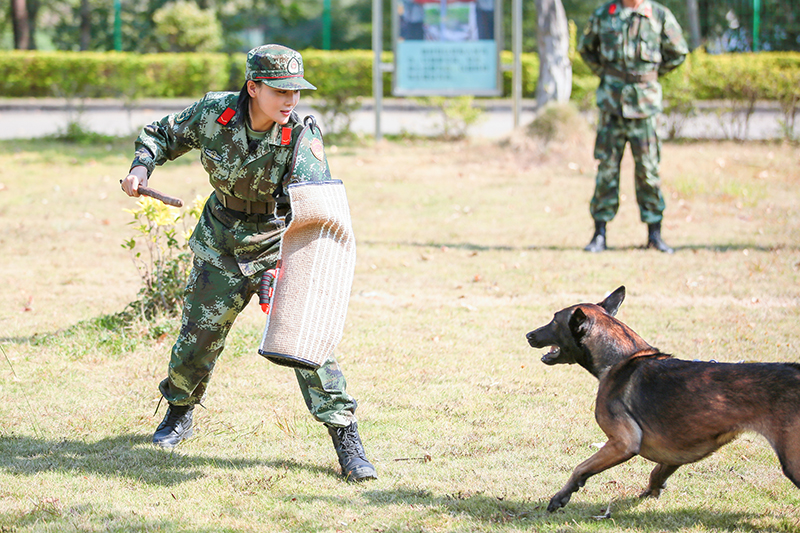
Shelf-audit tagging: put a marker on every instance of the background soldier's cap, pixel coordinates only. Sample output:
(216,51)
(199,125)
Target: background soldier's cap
(276,66)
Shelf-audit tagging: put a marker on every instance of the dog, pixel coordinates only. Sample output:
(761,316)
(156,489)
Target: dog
(667,410)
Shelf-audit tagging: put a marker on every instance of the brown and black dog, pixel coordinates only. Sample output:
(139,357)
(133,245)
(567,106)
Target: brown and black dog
(668,410)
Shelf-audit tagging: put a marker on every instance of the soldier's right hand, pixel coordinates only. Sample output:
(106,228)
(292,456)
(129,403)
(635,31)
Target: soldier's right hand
(136,177)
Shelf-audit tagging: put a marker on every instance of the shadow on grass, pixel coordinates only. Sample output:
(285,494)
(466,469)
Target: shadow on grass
(532,515)
(730,247)
(119,332)
(125,456)
(131,456)
(51,514)
(588,517)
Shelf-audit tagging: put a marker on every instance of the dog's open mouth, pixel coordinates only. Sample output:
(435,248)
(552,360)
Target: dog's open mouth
(552,355)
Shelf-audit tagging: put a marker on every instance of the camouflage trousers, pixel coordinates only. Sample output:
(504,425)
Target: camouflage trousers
(613,132)
(213,299)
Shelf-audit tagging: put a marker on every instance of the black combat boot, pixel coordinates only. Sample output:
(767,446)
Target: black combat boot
(654,239)
(176,426)
(598,243)
(350,451)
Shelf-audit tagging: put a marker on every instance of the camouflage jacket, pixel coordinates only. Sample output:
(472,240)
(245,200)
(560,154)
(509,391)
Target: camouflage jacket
(628,49)
(209,126)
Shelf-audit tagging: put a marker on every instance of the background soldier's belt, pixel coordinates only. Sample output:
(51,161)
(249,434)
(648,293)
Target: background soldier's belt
(631,77)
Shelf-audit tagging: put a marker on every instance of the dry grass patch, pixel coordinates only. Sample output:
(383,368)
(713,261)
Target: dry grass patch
(462,248)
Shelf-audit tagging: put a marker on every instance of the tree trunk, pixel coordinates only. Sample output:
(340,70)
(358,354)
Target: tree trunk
(20,24)
(694,23)
(555,69)
(33,16)
(86,25)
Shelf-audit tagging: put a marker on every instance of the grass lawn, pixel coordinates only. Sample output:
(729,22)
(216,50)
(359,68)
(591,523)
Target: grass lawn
(463,248)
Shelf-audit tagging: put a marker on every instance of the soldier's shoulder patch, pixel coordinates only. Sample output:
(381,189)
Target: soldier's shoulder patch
(317,148)
(226,116)
(186,113)
(308,160)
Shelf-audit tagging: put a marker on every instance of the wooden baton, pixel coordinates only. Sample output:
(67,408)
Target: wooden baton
(158,195)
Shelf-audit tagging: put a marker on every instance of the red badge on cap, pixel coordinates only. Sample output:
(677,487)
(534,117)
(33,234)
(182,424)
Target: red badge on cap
(612,9)
(226,116)
(286,136)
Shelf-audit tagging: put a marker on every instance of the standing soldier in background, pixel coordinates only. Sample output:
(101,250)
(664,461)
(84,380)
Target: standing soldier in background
(628,44)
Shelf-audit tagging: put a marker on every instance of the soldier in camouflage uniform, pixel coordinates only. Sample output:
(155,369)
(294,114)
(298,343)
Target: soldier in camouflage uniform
(246,142)
(628,44)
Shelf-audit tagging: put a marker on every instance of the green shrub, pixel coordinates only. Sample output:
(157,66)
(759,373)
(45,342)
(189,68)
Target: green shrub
(344,75)
(583,91)
(112,74)
(339,73)
(458,113)
(787,91)
(530,74)
(184,27)
(584,81)
(558,122)
(165,262)
(680,101)
(742,76)
(341,79)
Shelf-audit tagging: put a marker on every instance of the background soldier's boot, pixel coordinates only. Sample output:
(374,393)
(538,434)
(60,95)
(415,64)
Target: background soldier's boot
(598,243)
(350,451)
(654,239)
(176,426)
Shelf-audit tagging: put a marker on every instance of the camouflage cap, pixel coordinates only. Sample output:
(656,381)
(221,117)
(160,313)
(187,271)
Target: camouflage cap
(277,66)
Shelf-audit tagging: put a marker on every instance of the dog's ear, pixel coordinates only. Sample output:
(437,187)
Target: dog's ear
(576,324)
(613,301)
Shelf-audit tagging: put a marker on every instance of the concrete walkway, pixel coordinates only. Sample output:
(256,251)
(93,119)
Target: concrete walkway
(22,118)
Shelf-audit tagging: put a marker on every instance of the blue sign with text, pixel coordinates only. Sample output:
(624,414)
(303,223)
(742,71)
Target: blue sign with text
(445,67)
(447,47)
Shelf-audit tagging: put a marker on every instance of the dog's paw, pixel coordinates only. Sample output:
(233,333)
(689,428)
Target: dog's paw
(558,501)
(651,493)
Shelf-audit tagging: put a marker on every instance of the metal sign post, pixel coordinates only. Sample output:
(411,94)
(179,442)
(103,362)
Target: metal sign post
(516,36)
(377,71)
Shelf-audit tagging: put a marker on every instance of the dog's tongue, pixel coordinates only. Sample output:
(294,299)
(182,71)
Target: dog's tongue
(552,354)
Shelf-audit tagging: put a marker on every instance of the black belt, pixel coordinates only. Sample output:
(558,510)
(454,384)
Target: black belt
(246,207)
(632,77)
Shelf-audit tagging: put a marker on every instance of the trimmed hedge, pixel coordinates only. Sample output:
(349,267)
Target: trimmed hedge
(339,72)
(762,76)
(111,74)
(745,76)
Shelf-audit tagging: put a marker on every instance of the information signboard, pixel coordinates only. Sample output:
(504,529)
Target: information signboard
(447,47)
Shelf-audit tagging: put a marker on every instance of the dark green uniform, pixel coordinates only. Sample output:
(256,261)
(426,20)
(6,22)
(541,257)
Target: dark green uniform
(628,49)
(231,248)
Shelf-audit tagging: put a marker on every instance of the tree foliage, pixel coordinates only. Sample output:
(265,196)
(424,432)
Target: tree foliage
(299,23)
(183,26)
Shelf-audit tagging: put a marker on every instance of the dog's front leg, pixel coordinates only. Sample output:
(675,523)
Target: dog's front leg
(611,454)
